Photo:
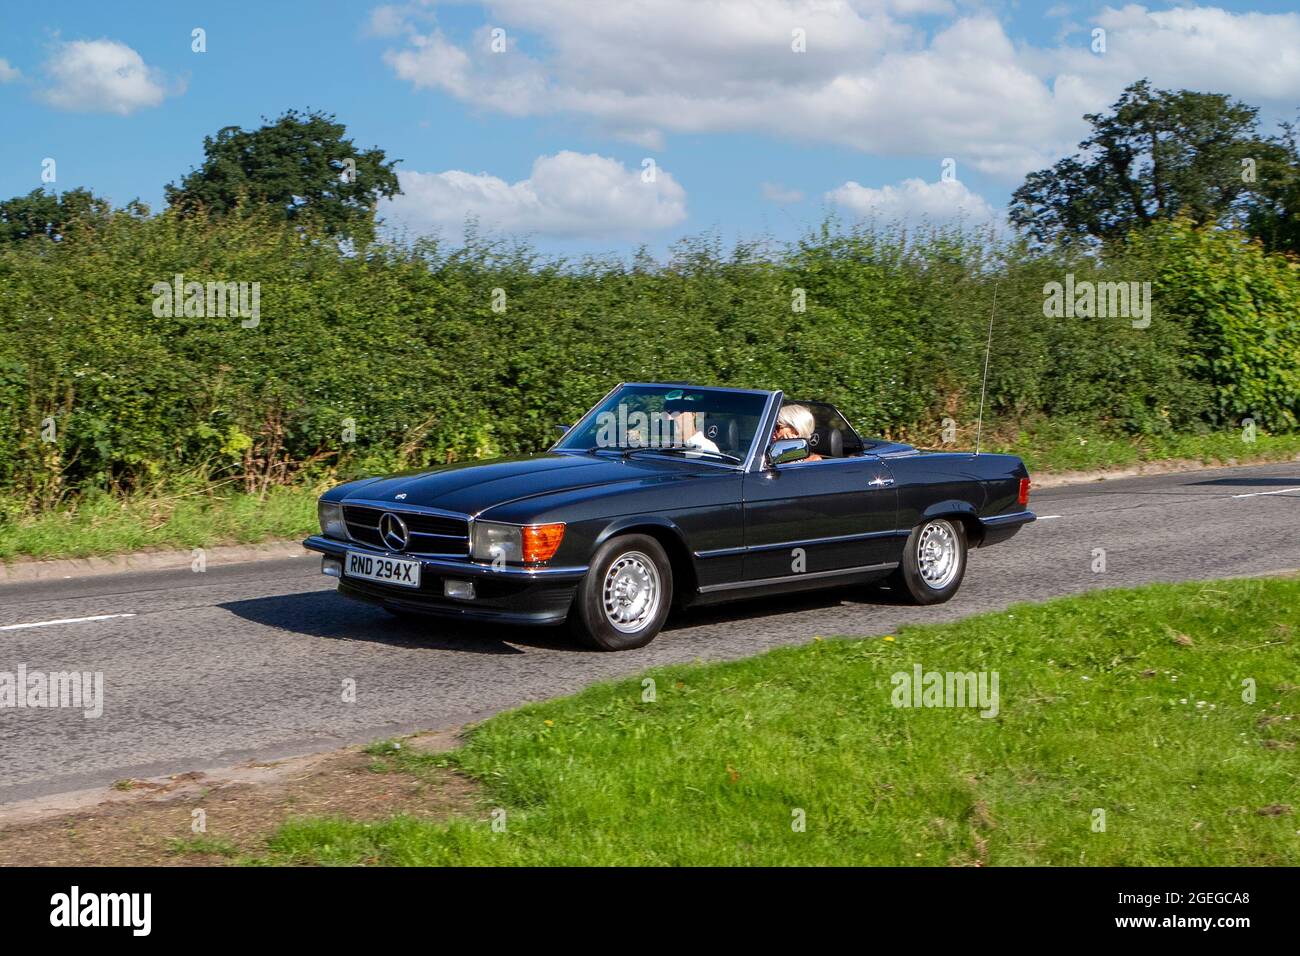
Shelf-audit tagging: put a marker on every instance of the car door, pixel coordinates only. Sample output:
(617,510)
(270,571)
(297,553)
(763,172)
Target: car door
(819,517)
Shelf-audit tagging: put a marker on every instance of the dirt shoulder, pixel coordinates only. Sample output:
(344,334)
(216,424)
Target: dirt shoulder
(153,822)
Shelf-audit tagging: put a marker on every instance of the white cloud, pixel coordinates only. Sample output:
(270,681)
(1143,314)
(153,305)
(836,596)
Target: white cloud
(1251,56)
(101,76)
(566,195)
(388,20)
(8,73)
(775,192)
(881,77)
(945,201)
(396,19)
(913,7)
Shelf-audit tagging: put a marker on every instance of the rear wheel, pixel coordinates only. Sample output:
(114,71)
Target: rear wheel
(934,561)
(624,598)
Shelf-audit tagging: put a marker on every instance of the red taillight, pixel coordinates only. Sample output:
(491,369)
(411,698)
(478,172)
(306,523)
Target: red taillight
(541,541)
(1023,499)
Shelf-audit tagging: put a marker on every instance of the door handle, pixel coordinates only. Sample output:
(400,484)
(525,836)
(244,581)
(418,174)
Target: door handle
(880,481)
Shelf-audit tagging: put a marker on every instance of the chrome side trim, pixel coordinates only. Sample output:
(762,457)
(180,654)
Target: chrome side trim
(786,579)
(865,536)
(751,549)
(719,553)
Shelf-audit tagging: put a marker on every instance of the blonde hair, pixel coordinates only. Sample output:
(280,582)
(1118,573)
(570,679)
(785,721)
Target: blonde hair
(797,417)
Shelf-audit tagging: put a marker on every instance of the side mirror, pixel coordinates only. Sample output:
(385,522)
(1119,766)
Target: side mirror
(563,429)
(787,450)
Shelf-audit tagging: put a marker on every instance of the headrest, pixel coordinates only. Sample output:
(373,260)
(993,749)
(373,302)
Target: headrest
(827,442)
(723,432)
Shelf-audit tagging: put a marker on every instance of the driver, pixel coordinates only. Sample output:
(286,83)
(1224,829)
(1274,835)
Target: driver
(795,421)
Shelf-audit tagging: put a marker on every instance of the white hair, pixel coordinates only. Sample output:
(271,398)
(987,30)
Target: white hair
(799,418)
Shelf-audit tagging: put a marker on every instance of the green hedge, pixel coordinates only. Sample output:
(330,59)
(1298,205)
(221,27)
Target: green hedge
(1242,312)
(405,343)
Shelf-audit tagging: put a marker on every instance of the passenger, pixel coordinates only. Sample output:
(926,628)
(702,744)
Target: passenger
(686,433)
(795,421)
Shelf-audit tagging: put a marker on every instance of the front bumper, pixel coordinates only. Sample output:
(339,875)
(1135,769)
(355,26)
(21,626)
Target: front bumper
(507,595)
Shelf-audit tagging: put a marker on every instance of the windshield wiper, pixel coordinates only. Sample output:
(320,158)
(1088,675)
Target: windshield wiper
(623,449)
(683,450)
(626,450)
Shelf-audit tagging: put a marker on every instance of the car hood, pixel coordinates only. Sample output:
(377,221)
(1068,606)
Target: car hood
(472,487)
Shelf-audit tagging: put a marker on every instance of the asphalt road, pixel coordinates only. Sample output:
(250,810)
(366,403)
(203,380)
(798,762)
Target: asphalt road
(249,660)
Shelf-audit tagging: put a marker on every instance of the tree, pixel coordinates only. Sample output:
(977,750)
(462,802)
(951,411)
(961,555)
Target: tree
(1274,216)
(49,214)
(1157,155)
(301,164)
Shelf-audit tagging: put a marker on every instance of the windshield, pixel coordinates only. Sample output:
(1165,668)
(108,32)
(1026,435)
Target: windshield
(695,421)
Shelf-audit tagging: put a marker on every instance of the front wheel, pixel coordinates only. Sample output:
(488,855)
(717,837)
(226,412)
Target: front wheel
(934,561)
(624,598)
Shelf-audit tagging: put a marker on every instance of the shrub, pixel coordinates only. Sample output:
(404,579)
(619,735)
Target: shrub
(397,358)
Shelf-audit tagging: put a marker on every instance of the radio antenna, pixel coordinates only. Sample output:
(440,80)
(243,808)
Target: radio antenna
(988,345)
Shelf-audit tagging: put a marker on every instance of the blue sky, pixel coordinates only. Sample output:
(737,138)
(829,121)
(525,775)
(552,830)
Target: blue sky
(547,135)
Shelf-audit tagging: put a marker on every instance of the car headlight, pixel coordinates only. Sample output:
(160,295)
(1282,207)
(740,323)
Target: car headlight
(497,542)
(331,520)
(512,544)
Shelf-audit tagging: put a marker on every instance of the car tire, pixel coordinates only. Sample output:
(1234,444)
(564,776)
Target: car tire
(934,561)
(624,598)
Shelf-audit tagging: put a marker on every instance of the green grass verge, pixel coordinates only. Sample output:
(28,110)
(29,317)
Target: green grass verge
(105,524)
(1125,701)
(1066,446)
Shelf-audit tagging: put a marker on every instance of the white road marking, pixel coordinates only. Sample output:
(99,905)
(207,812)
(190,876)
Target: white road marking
(1256,494)
(65,620)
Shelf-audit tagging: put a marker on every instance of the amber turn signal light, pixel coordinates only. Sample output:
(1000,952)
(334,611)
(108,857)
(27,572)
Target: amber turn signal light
(541,541)
(1024,492)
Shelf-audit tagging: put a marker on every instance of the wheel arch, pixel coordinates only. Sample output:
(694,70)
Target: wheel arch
(670,537)
(961,511)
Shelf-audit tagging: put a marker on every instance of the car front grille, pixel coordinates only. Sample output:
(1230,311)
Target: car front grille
(430,533)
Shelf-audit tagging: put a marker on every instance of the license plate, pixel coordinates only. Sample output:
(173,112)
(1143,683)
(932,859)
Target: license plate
(373,567)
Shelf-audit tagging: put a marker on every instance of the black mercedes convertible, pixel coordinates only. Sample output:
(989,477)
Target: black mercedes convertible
(668,496)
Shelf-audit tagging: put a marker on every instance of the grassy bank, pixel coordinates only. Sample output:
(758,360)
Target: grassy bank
(1125,702)
(1065,446)
(105,524)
